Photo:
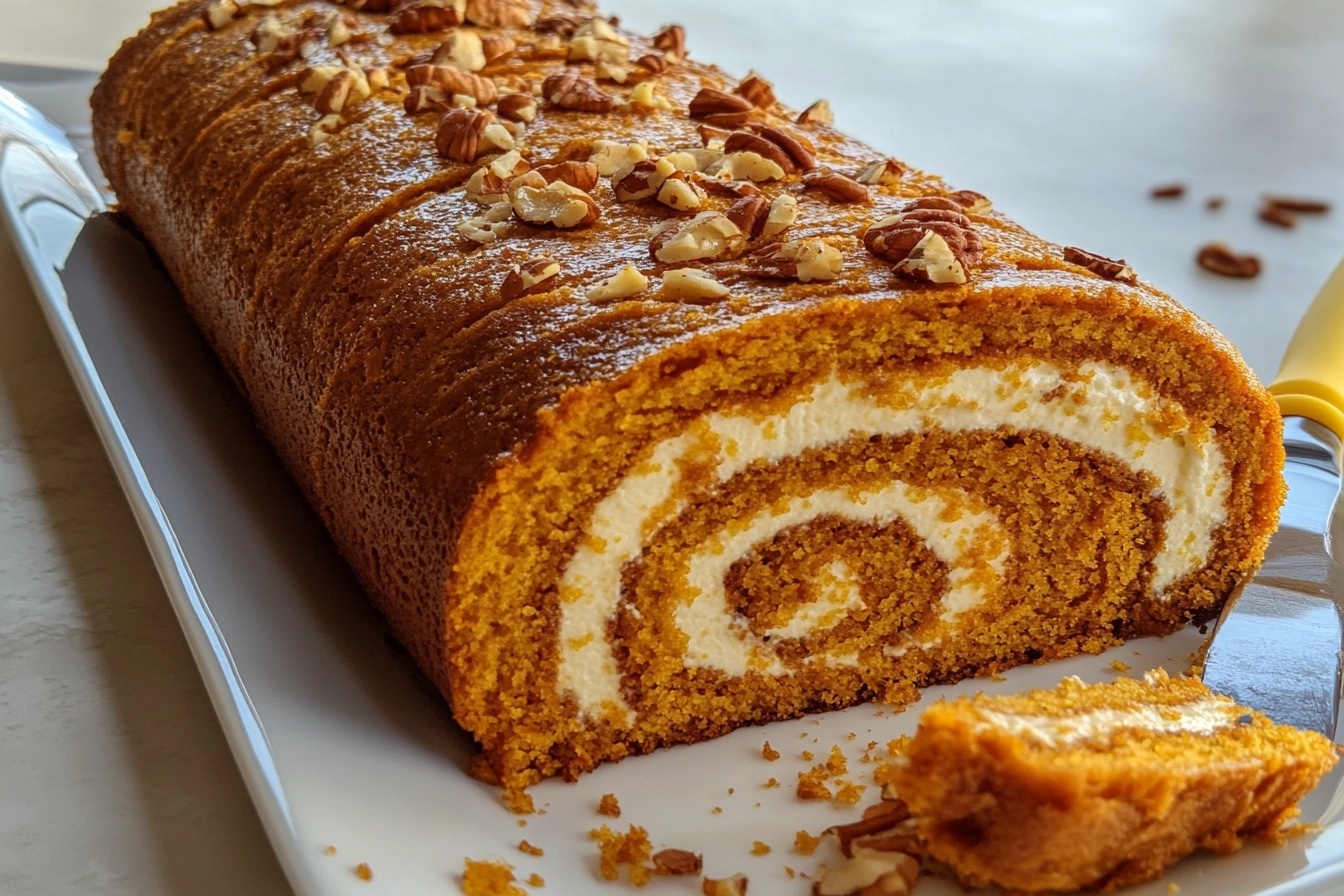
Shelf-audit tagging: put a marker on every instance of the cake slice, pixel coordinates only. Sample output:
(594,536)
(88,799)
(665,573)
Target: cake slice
(1100,786)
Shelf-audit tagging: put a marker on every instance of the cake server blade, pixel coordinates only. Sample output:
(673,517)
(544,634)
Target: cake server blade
(1277,645)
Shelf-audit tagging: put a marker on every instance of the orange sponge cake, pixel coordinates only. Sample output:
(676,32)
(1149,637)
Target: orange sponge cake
(645,407)
(1095,787)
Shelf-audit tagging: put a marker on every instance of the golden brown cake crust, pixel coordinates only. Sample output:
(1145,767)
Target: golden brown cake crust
(455,437)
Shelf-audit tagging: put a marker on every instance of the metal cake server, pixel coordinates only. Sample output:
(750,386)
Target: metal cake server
(1277,646)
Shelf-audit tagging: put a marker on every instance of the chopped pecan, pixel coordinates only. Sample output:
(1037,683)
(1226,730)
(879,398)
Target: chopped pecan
(870,873)
(818,114)
(556,204)
(883,171)
(372,5)
(710,101)
(724,886)
(452,81)
(931,241)
(1167,191)
(756,90)
(611,157)
(877,819)
(461,134)
(732,189)
(746,141)
(497,47)
(1272,214)
(529,277)
(676,862)
(627,282)
(1100,265)
(974,203)
(679,194)
(488,226)
(489,184)
(499,13)
(570,90)
(1298,205)
(783,212)
(799,149)
(577,174)
(517,107)
(1218,258)
(749,214)
(707,235)
(836,185)
(646,96)
(596,41)
(653,63)
(323,128)
(562,25)
(802,260)
(712,135)
(339,91)
(691,285)
(640,180)
(427,98)
(461,48)
(217,15)
(672,41)
(424,16)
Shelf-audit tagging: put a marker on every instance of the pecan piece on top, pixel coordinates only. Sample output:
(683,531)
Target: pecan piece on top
(749,214)
(837,186)
(465,134)
(1100,264)
(818,114)
(931,241)
(672,41)
(758,91)
(570,90)
(529,277)
(799,149)
(746,141)
(425,16)
(499,13)
(710,101)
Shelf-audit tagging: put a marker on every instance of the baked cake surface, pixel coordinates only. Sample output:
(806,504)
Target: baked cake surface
(645,407)
(1100,786)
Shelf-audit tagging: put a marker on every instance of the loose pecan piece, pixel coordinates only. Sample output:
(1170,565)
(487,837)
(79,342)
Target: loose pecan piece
(497,47)
(570,90)
(517,107)
(676,862)
(1100,265)
(1217,258)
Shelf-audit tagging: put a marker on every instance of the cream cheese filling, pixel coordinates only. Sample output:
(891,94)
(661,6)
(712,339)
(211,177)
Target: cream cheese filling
(1204,716)
(1103,407)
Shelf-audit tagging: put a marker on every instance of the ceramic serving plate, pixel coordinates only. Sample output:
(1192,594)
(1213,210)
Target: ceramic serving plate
(341,742)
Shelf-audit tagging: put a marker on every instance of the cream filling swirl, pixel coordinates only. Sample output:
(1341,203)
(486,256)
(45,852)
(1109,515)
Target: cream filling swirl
(1100,406)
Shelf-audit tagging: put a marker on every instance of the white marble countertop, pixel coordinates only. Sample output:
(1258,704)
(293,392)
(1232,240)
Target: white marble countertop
(114,774)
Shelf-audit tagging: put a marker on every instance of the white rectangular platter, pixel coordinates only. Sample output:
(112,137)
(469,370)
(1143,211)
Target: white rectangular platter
(340,740)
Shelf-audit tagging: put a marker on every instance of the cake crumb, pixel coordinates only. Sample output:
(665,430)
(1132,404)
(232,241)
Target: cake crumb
(898,745)
(836,763)
(805,844)
(609,806)
(760,848)
(849,792)
(717,810)
(812,786)
(769,753)
(363,871)
(773,782)
(732,790)
(631,849)
(531,850)
(519,802)
(522,822)
(489,878)
(479,769)
(1173,887)
(1120,666)
(329,851)
(808,756)
(790,872)
(536,880)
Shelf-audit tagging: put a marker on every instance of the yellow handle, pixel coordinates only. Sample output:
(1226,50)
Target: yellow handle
(1310,382)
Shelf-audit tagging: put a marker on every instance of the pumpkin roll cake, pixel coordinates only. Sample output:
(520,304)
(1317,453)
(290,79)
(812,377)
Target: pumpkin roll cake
(645,407)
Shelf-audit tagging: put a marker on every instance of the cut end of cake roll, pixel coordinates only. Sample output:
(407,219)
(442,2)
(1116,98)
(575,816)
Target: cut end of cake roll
(645,407)
(1099,786)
